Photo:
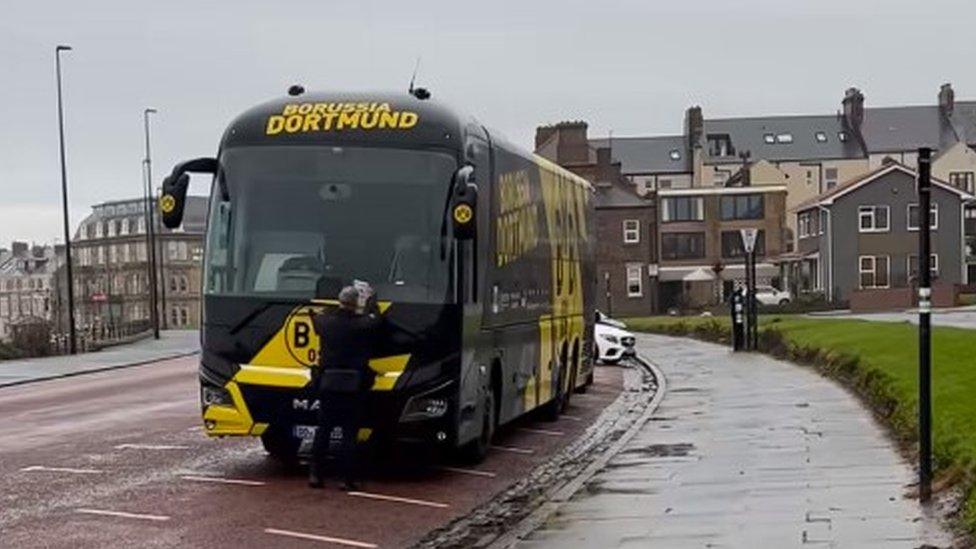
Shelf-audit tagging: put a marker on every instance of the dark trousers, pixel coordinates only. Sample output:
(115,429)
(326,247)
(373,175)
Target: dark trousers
(340,416)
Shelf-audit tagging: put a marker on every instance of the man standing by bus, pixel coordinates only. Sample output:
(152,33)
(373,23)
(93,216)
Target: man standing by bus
(344,378)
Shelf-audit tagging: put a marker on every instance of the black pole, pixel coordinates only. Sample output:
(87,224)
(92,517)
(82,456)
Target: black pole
(72,345)
(150,230)
(748,303)
(754,324)
(924,326)
(606,278)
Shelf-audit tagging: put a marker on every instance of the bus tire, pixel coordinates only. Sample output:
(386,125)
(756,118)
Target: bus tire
(476,451)
(280,446)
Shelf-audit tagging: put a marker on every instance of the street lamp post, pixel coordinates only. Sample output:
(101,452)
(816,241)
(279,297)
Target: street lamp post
(72,345)
(151,230)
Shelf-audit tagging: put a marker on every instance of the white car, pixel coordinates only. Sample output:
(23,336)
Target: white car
(612,343)
(767,295)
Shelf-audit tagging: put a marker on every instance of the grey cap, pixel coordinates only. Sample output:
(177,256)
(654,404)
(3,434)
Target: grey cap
(349,297)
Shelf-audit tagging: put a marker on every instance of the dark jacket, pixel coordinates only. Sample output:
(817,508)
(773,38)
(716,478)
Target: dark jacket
(346,341)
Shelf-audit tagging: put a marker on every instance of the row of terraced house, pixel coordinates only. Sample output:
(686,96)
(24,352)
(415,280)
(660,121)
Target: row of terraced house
(831,195)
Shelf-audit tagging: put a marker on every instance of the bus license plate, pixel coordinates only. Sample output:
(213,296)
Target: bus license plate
(304,432)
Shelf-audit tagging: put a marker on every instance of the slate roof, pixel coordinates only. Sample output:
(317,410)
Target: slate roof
(891,129)
(615,196)
(638,155)
(751,134)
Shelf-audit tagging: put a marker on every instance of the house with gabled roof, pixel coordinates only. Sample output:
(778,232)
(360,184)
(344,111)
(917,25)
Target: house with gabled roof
(857,243)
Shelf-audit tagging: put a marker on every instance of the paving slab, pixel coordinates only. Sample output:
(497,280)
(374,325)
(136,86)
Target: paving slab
(746,451)
(171,344)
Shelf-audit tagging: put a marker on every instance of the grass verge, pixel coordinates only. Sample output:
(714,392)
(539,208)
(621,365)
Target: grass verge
(877,360)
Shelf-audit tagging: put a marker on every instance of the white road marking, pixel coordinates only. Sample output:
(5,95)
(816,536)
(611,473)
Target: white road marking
(221,480)
(548,432)
(571,417)
(151,447)
(513,449)
(196,428)
(61,470)
(399,499)
(473,472)
(316,537)
(107,513)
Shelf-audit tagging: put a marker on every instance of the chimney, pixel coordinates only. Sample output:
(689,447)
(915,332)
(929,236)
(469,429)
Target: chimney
(694,127)
(572,145)
(19,249)
(542,134)
(947,99)
(853,104)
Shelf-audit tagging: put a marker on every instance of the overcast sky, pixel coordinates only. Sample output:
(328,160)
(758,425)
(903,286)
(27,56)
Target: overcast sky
(632,67)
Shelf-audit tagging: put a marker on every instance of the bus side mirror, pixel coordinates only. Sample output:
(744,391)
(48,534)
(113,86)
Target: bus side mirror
(464,204)
(173,199)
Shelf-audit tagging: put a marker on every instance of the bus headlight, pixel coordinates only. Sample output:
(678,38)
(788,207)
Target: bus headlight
(212,394)
(429,405)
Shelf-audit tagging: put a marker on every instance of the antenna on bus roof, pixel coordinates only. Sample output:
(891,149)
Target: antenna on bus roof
(419,93)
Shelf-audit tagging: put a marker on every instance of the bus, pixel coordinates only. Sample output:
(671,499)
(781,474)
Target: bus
(480,255)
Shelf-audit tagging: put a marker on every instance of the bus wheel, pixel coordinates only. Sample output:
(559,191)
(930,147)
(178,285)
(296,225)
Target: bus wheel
(280,446)
(477,450)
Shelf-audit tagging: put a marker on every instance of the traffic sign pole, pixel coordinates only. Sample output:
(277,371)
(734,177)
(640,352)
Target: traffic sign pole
(924,326)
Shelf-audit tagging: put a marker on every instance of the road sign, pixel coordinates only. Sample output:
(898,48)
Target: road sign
(749,239)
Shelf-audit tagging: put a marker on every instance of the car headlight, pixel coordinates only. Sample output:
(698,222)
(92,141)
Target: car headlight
(214,395)
(610,338)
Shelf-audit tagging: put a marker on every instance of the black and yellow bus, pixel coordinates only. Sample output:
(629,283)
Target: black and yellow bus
(481,257)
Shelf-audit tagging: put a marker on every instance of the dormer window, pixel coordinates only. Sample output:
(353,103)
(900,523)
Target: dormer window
(720,144)
(821,137)
(769,138)
(842,136)
(784,138)
(675,154)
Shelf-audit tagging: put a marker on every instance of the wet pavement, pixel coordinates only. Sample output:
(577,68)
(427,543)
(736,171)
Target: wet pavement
(746,451)
(171,344)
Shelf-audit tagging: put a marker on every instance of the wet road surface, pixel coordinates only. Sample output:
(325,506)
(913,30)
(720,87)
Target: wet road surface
(118,459)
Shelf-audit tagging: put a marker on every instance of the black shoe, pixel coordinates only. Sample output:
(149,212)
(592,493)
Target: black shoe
(349,486)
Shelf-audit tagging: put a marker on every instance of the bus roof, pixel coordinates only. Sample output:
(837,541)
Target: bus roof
(347,118)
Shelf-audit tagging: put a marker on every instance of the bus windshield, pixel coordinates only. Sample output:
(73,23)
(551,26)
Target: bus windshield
(300,221)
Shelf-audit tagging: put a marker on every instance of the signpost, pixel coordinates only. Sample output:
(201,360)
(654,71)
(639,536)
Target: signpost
(924,326)
(749,246)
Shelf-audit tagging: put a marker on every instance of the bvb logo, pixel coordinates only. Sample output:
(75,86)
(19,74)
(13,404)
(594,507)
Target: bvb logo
(463,213)
(300,337)
(167,203)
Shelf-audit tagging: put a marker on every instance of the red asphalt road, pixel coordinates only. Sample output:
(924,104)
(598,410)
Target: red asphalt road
(74,453)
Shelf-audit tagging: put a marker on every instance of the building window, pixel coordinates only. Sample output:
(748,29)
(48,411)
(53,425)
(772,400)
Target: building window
(683,245)
(873,270)
(743,206)
(913,265)
(784,138)
(769,138)
(174,316)
(682,208)
(732,244)
(720,144)
(635,273)
(873,219)
(809,176)
(823,222)
(184,317)
(631,231)
(842,136)
(675,154)
(830,178)
(913,217)
(963,180)
(719,177)
(821,137)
